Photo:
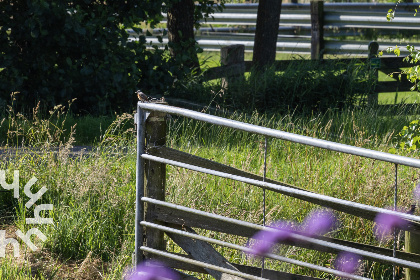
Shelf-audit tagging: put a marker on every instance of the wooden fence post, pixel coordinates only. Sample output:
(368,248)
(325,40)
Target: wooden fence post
(374,63)
(155,174)
(412,245)
(317,29)
(234,57)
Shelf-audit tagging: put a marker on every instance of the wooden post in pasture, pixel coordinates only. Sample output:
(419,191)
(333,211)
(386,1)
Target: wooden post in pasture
(412,245)
(317,29)
(155,174)
(233,57)
(375,64)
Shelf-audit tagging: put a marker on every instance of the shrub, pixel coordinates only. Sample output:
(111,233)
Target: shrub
(55,51)
(304,86)
(409,136)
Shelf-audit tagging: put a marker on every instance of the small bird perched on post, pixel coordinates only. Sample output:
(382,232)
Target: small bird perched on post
(412,209)
(142,97)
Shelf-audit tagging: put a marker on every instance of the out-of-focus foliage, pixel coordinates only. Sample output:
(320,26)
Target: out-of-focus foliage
(409,136)
(55,51)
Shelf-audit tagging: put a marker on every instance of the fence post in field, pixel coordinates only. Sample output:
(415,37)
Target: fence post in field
(317,29)
(155,174)
(375,64)
(233,57)
(412,245)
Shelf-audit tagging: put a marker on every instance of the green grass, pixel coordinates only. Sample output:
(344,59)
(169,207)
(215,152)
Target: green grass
(338,175)
(93,195)
(16,129)
(212,59)
(388,98)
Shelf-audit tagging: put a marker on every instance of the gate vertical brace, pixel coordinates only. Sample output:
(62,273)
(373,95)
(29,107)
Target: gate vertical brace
(394,251)
(140,121)
(264,177)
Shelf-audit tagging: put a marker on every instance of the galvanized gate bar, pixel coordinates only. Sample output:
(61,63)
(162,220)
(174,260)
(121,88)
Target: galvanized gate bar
(247,229)
(303,238)
(248,250)
(140,121)
(169,153)
(201,264)
(306,140)
(289,191)
(358,209)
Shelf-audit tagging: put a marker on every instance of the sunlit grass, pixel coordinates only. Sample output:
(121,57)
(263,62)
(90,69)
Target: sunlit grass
(93,194)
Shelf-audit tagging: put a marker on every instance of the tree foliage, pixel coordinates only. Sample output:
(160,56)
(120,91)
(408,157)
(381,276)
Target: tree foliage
(409,136)
(55,51)
(59,50)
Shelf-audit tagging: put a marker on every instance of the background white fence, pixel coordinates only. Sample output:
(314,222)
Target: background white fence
(343,22)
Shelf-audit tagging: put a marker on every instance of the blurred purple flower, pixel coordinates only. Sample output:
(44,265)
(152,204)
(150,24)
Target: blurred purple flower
(416,193)
(266,239)
(347,262)
(152,270)
(386,222)
(318,222)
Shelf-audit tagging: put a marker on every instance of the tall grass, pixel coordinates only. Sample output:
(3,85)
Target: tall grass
(304,85)
(40,128)
(93,194)
(338,175)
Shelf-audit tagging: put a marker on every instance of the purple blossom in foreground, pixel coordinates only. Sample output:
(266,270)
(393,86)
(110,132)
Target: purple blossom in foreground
(416,193)
(152,270)
(266,239)
(319,222)
(347,262)
(385,223)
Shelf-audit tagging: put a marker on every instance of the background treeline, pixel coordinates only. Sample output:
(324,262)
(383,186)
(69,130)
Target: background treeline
(55,52)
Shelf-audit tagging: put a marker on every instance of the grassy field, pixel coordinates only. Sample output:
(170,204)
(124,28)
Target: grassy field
(212,59)
(93,195)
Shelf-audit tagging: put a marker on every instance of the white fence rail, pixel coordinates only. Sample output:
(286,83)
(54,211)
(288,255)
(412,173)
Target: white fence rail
(236,25)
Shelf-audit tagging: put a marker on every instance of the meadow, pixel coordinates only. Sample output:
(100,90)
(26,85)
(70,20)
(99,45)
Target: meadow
(93,193)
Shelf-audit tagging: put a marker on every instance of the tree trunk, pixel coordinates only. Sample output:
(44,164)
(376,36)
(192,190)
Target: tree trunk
(181,33)
(268,20)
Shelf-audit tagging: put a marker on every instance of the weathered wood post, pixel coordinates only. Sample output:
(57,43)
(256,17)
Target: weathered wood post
(317,29)
(155,174)
(233,57)
(375,64)
(412,245)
